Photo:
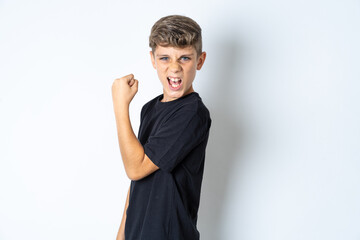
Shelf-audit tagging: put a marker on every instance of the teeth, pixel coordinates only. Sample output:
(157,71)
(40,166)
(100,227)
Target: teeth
(175,80)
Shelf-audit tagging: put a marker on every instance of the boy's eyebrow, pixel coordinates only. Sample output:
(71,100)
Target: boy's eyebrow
(187,55)
(166,55)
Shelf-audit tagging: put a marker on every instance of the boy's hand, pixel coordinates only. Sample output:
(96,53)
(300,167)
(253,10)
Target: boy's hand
(124,89)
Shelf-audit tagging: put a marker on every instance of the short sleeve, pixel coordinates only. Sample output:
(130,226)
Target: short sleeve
(180,134)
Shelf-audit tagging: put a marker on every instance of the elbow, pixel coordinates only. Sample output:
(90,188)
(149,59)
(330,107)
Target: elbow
(133,175)
(134,168)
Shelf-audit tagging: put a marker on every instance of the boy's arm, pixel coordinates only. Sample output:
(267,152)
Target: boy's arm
(137,164)
(121,233)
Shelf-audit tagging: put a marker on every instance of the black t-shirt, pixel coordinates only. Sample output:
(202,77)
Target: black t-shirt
(164,205)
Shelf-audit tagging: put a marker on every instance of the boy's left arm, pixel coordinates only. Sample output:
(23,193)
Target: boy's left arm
(137,164)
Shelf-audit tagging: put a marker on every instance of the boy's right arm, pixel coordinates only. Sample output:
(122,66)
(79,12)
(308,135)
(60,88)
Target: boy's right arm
(121,233)
(137,164)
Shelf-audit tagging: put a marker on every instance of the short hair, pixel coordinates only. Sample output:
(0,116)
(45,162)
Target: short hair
(176,31)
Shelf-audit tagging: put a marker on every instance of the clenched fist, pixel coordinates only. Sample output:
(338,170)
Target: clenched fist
(124,89)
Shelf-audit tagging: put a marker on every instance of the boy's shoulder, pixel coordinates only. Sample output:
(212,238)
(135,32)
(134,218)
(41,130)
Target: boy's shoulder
(149,105)
(195,105)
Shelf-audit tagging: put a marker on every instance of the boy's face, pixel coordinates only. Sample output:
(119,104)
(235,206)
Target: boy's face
(176,69)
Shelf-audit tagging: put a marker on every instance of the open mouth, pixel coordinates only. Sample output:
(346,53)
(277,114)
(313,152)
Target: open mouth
(174,83)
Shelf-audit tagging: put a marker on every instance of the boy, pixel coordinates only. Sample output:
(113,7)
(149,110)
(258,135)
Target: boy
(166,162)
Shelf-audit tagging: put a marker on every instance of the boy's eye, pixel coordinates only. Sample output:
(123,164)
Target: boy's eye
(185,58)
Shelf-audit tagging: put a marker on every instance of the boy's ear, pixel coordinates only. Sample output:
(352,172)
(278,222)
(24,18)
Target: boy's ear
(201,60)
(152,56)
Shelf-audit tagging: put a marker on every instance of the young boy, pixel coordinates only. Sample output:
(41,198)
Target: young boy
(166,162)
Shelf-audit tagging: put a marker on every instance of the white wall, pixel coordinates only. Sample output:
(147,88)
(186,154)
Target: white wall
(281,80)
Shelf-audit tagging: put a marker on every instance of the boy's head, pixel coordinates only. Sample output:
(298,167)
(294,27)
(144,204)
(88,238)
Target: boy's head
(176,31)
(176,54)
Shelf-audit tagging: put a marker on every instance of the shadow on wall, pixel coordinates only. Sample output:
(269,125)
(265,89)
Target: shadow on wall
(224,145)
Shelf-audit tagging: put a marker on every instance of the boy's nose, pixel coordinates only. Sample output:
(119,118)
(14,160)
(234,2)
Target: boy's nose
(175,67)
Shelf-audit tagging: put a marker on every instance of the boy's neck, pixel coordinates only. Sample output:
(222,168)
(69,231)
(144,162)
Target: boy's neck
(164,99)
